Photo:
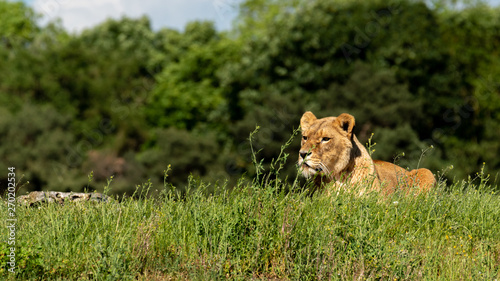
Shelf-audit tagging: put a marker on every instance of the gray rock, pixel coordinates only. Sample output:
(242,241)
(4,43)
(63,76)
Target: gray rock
(38,197)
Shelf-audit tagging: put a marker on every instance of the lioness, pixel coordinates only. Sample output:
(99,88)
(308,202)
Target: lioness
(331,151)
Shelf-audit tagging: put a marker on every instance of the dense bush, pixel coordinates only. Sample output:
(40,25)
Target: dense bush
(125,100)
(37,142)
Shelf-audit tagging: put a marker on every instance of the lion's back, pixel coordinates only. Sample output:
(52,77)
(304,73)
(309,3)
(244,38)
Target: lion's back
(423,178)
(393,177)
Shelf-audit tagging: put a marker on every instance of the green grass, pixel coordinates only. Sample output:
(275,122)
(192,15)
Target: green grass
(263,229)
(258,232)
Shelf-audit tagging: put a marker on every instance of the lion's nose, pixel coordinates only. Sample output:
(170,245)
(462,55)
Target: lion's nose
(304,154)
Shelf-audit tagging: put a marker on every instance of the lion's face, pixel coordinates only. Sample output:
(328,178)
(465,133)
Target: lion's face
(326,145)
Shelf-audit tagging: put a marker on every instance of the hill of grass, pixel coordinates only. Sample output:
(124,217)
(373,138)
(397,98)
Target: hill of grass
(262,230)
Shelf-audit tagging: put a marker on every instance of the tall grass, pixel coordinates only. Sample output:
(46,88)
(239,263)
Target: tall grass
(263,229)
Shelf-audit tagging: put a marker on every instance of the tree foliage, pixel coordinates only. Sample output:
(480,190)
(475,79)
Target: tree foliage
(123,99)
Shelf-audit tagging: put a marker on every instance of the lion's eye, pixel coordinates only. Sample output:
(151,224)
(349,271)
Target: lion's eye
(325,139)
(304,138)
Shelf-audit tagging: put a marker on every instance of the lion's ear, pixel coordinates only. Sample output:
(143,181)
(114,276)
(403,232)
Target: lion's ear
(346,123)
(306,121)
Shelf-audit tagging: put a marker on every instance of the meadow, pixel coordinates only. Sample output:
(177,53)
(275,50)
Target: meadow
(262,229)
(126,99)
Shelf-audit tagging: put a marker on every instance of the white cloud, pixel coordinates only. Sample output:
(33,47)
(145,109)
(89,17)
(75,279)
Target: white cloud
(77,15)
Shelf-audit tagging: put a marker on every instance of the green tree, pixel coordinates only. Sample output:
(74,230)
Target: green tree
(37,141)
(188,91)
(187,154)
(404,70)
(414,73)
(18,24)
(470,128)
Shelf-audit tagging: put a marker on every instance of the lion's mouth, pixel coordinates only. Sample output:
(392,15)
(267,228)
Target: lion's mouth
(317,169)
(308,170)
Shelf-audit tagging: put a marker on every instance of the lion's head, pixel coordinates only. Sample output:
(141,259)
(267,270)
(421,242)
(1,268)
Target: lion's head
(327,145)
(331,150)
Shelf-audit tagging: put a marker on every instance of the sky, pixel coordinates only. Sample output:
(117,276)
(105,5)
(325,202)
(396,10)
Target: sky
(77,15)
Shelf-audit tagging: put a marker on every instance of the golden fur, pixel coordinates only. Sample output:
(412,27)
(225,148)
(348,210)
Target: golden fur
(331,150)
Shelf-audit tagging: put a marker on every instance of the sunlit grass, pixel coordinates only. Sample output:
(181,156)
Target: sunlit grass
(263,229)
(256,232)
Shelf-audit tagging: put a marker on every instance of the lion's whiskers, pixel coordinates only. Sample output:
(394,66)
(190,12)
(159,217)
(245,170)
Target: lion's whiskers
(321,167)
(326,170)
